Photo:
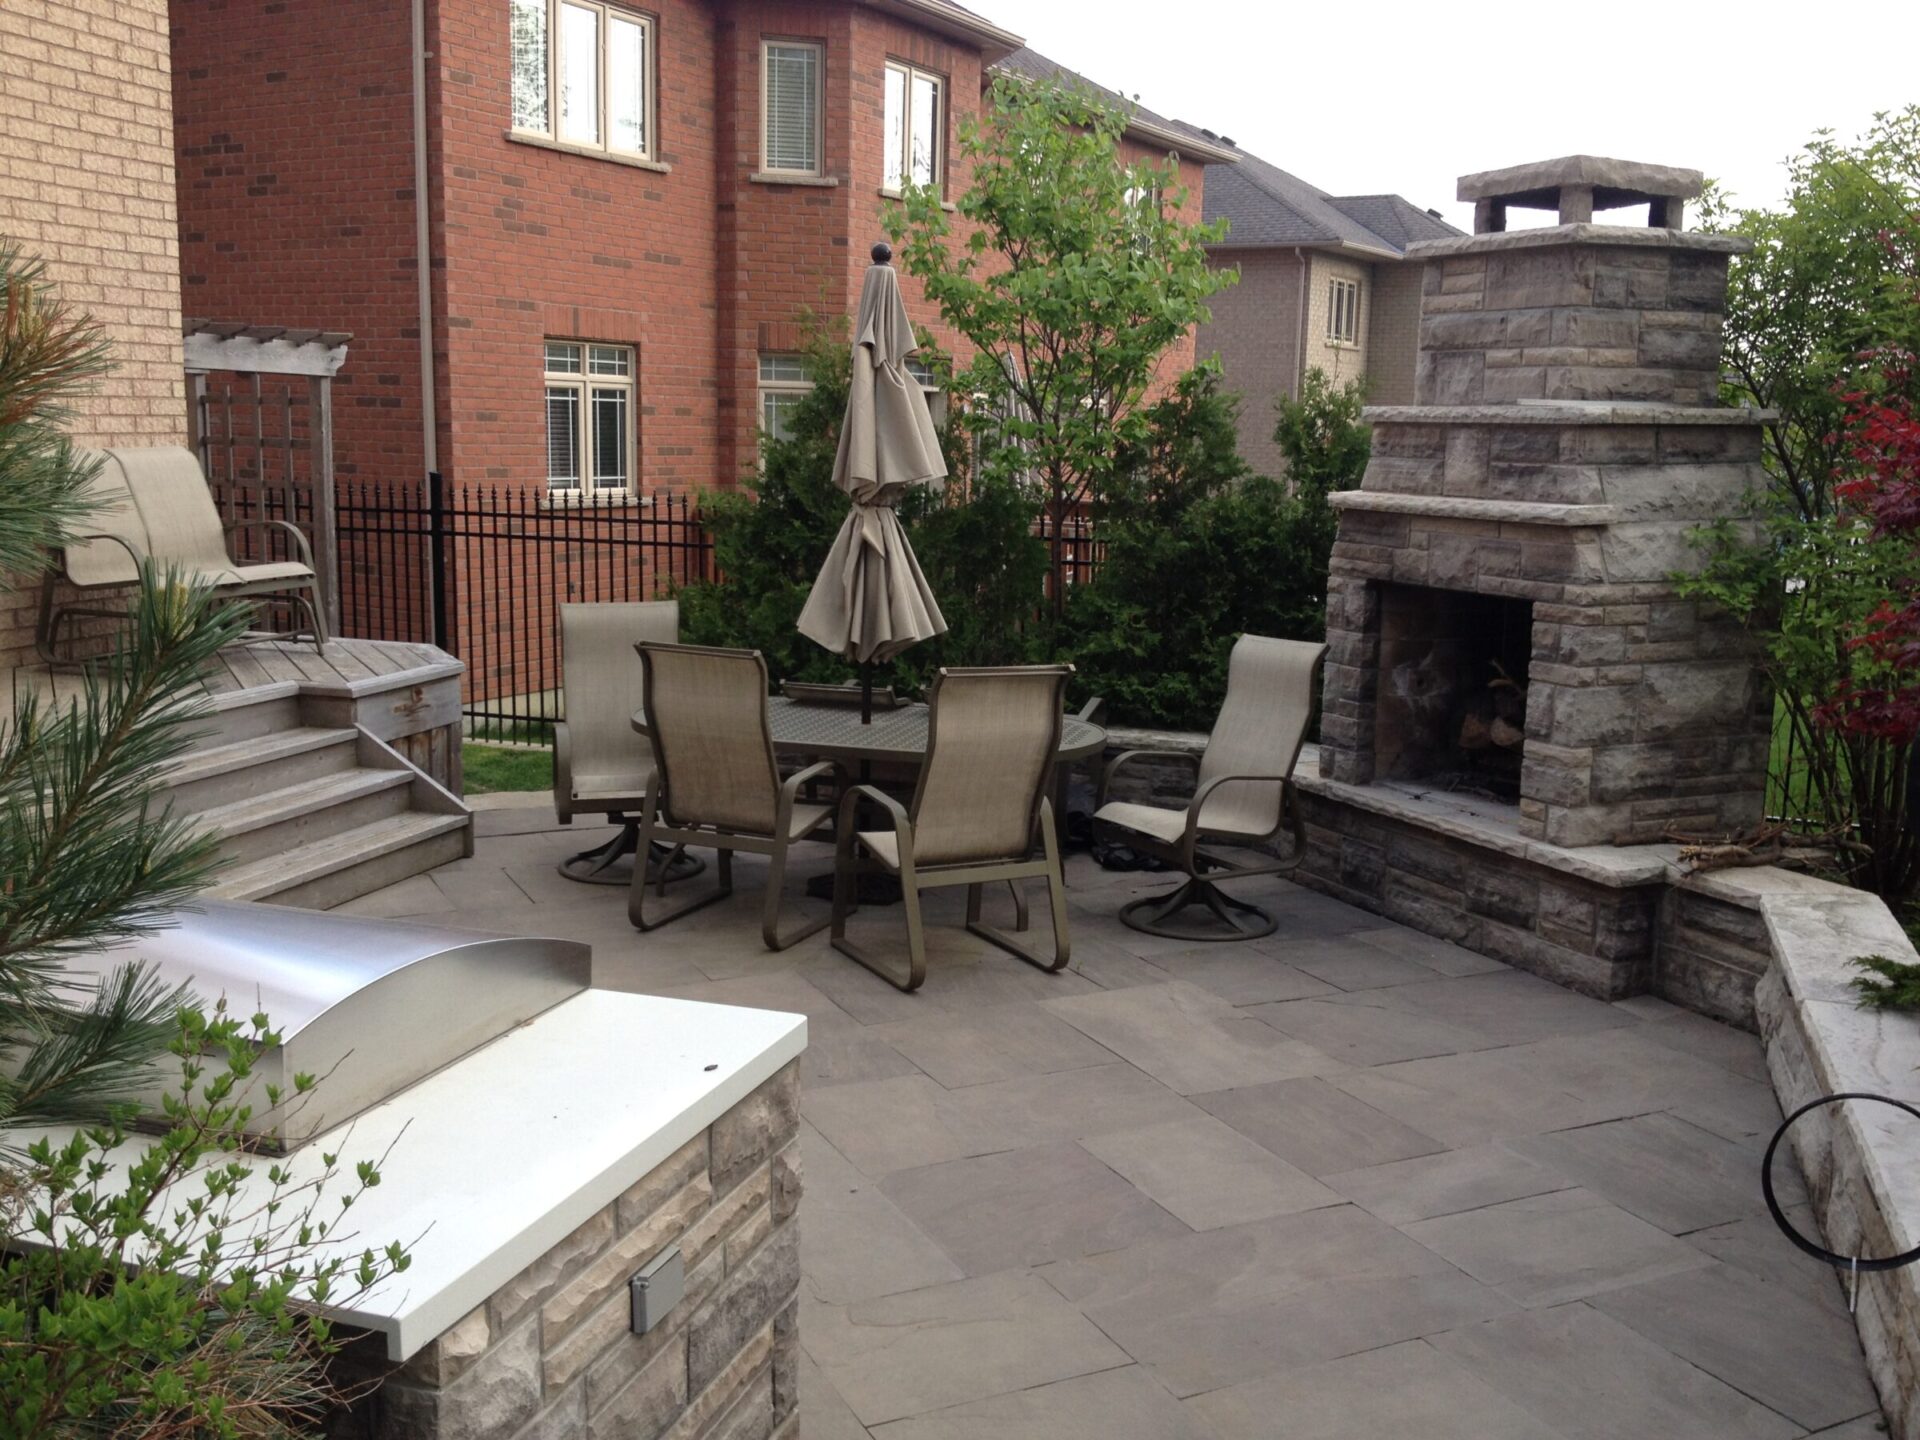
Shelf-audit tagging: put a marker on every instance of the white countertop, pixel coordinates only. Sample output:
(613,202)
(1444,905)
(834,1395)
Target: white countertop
(494,1160)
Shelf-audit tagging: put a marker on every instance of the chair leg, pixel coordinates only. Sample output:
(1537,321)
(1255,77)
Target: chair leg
(843,883)
(1057,896)
(637,893)
(770,908)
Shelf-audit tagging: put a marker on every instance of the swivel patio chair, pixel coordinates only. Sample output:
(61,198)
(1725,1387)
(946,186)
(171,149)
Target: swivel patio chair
(1244,796)
(993,735)
(716,783)
(600,767)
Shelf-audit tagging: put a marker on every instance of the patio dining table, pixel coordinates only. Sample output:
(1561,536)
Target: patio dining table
(829,731)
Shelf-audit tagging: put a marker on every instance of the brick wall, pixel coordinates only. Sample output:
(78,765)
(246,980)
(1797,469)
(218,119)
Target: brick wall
(1255,330)
(551,1352)
(296,196)
(86,182)
(1341,362)
(1393,332)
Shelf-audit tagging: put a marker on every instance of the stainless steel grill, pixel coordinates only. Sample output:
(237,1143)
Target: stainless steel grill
(368,1005)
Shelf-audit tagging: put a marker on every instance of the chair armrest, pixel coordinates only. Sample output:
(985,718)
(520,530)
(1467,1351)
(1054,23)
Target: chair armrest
(896,812)
(299,535)
(1194,806)
(125,544)
(1127,757)
(790,787)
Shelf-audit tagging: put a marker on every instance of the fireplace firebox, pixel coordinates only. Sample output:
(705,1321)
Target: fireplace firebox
(1452,699)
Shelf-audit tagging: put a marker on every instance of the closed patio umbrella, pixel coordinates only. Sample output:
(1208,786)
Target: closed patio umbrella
(870,601)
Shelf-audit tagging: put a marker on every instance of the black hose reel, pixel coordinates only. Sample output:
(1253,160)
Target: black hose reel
(1853,1265)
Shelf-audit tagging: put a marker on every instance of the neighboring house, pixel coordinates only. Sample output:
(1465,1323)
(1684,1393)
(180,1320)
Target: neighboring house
(627,210)
(87,184)
(1324,283)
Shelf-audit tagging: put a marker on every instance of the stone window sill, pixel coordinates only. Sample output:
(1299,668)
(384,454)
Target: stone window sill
(886,194)
(637,162)
(786,177)
(600,500)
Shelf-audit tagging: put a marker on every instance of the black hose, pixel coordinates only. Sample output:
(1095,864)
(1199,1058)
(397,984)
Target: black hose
(1853,1263)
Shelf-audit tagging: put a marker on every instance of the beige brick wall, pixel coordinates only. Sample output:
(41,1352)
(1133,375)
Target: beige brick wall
(1341,362)
(1255,332)
(1393,332)
(86,182)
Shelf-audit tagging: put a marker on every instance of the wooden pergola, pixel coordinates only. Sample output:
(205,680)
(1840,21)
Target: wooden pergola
(213,347)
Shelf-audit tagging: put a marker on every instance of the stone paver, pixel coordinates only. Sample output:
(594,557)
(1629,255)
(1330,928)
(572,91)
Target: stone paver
(1343,1183)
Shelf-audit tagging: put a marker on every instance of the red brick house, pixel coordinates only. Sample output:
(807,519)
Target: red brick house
(626,205)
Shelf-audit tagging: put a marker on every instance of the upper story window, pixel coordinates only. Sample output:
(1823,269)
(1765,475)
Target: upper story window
(1343,312)
(583,75)
(913,123)
(589,420)
(790,105)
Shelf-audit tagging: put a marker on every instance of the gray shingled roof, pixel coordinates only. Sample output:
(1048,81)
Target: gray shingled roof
(1031,63)
(1264,205)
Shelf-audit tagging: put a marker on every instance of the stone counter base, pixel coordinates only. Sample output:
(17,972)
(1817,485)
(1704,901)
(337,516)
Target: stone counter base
(550,1355)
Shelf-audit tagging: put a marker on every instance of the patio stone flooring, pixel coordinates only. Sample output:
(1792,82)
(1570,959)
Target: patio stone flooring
(1344,1183)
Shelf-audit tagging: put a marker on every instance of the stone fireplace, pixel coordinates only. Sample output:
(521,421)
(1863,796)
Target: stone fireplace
(1529,515)
(1518,703)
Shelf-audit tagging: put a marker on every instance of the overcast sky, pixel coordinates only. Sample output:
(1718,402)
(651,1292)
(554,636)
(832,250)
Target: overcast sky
(1391,96)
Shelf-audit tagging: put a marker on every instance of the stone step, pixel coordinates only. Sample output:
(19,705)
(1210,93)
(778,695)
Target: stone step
(266,825)
(220,774)
(336,868)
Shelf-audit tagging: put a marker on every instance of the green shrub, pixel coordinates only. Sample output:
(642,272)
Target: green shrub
(168,1297)
(1199,551)
(973,537)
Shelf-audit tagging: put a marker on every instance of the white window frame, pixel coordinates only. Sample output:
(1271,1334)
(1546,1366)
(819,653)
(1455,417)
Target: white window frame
(649,80)
(1343,310)
(767,44)
(584,382)
(908,73)
(785,385)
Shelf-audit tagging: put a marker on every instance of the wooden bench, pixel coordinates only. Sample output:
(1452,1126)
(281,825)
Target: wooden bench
(153,505)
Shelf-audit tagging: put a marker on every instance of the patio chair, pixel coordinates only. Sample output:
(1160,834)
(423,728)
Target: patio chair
(716,783)
(600,767)
(993,735)
(1244,795)
(154,505)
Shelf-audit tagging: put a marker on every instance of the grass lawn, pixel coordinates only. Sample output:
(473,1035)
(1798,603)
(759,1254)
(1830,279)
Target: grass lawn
(491,768)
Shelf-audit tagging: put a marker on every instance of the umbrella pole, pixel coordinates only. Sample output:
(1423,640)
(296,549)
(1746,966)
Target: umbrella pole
(866,694)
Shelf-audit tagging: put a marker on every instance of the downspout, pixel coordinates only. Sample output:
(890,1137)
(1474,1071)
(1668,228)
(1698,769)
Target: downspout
(423,240)
(1300,341)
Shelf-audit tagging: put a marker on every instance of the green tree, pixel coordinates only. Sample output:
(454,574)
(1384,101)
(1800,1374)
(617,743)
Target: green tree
(154,1300)
(1197,551)
(86,857)
(1071,275)
(973,537)
(1830,288)
(1828,281)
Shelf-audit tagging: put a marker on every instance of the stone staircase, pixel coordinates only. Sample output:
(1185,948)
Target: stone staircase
(311,814)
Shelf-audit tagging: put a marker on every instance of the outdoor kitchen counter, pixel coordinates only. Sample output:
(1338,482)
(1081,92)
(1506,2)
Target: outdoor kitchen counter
(494,1160)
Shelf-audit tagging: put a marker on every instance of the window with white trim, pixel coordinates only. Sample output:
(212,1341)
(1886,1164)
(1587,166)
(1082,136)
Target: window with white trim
(783,385)
(583,75)
(912,132)
(590,407)
(1343,312)
(790,104)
